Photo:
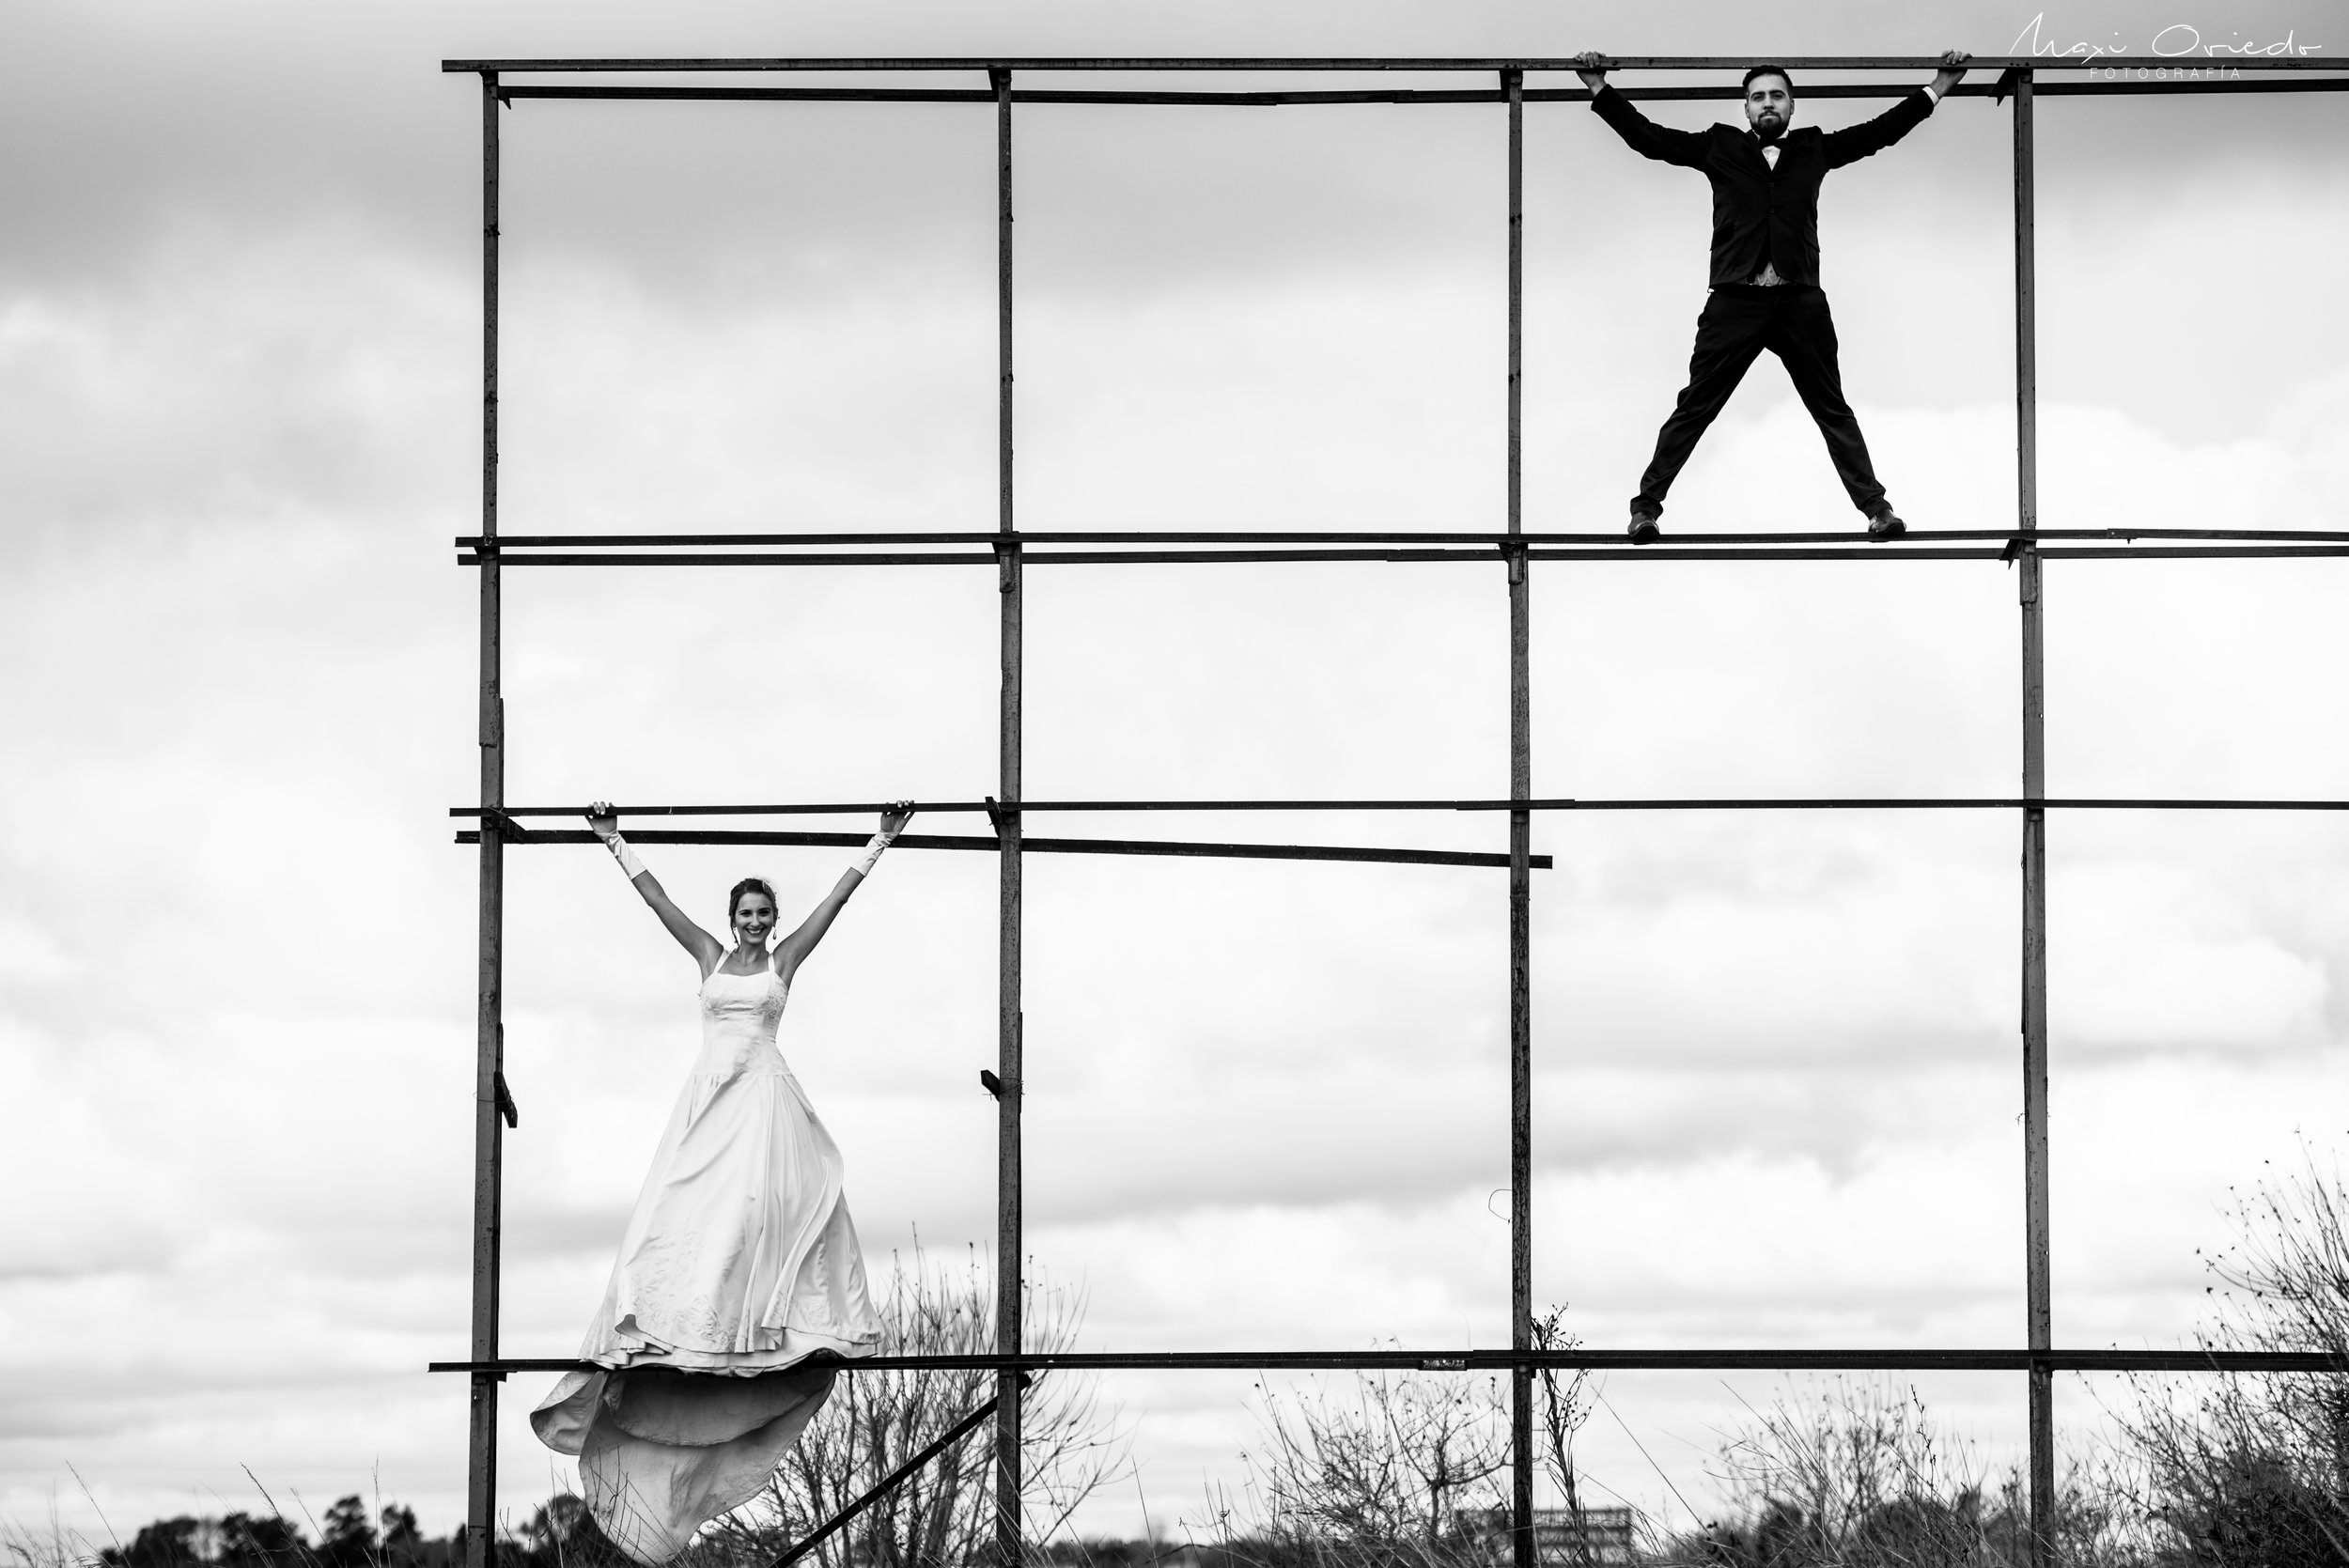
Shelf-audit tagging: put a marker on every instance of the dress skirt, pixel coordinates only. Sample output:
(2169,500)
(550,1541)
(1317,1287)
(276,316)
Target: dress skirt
(739,1283)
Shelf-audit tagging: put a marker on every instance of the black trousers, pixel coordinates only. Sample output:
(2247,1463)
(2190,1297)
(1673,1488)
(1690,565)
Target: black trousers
(1740,321)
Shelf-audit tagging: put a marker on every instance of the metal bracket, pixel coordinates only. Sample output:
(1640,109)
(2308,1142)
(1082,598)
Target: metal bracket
(992,1084)
(506,1103)
(1514,555)
(2026,581)
(1004,818)
(493,818)
(2009,80)
(1006,565)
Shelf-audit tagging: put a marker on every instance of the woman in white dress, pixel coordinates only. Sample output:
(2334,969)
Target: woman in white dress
(738,1280)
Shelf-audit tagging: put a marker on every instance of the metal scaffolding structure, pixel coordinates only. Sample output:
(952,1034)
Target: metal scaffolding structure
(1011,553)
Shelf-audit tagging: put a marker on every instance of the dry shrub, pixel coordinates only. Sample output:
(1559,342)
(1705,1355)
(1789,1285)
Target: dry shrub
(1070,1446)
(2245,1470)
(1376,1470)
(1852,1474)
(1393,1469)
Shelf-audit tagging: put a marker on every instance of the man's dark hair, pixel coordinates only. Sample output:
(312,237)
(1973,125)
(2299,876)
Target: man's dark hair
(1779,72)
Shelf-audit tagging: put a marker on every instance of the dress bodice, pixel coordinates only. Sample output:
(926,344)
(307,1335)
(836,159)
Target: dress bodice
(740,1014)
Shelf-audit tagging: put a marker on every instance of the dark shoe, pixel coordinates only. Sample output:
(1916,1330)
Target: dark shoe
(1884,525)
(1643,529)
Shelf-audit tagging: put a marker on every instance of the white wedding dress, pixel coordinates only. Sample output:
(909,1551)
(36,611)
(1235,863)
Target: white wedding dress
(739,1264)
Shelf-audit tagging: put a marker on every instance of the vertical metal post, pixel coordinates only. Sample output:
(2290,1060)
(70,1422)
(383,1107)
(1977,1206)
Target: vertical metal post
(481,1484)
(2039,1290)
(1009,1257)
(1520,874)
(2026,314)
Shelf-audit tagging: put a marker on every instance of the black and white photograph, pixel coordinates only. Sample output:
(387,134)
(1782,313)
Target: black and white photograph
(1199,786)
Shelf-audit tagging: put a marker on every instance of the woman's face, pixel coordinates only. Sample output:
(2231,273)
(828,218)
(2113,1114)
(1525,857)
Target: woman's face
(753,918)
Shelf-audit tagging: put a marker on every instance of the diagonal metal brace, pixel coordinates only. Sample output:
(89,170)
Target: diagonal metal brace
(896,1479)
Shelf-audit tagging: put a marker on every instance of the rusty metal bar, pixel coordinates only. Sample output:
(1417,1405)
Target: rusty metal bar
(1373,96)
(1857,802)
(1766,1359)
(1181,848)
(508,544)
(2039,1303)
(481,1456)
(1201,557)
(1481,65)
(1520,879)
(2118,552)
(1010,1255)
(2137,88)
(894,1480)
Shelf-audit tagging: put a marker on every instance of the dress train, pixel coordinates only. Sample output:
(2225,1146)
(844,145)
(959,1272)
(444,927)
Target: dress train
(739,1283)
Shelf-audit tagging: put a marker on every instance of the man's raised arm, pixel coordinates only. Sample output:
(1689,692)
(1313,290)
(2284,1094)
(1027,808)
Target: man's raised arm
(1868,137)
(1641,134)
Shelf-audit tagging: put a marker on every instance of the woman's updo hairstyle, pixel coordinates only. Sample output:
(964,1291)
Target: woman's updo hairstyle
(749,884)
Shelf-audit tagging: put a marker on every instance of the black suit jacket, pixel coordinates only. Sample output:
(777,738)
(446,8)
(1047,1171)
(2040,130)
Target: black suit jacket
(1752,201)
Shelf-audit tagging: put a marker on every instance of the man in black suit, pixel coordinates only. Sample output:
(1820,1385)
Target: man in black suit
(1764,291)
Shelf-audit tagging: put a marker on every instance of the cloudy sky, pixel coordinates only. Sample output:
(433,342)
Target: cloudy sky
(1777,1064)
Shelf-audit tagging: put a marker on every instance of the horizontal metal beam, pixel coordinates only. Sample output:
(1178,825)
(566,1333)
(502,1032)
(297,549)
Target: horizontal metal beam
(1479,64)
(1766,1359)
(1273,100)
(1558,803)
(1391,558)
(2135,87)
(1877,553)
(990,845)
(965,558)
(504,545)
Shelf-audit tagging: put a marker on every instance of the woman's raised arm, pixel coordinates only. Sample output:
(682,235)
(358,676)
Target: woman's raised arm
(707,950)
(793,949)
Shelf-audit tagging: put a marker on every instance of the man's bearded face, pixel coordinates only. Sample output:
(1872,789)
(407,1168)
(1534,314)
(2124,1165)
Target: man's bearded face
(1769,107)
